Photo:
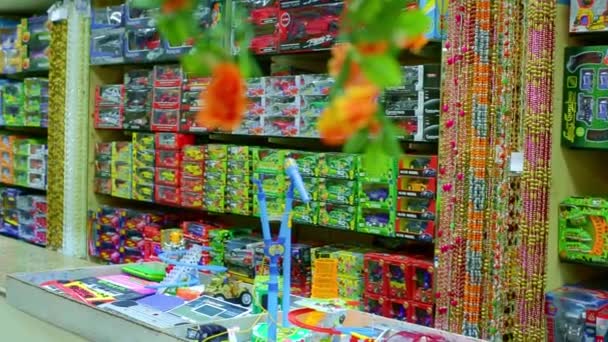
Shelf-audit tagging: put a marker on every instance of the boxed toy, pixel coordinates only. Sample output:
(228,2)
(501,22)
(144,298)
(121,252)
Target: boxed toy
(307,213)
(173,141)
(416,187)
(263,16)
(380,195)
(142,45)
(417,165)
(416,208)
(417,103)
(585,112)
(588,16)
(582,225)
(36,39)
(337,216)
(268,160)
(378,221)
(339,191)
(571,313)
(308,28)
(313,105)
(282,126)
(107,46)
(422,230)
(417,78)
(138,17)
(339,165)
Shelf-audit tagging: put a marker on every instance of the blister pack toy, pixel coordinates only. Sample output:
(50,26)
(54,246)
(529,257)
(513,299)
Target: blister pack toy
(107,46)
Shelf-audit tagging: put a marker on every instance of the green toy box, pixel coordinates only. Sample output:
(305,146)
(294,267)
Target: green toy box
(268,160)
(583,230)
(339,165)
(308,162)
(377,221)
(338,216)
(585,108)
(274,184)
(307,213)
(379,195)
(338,191)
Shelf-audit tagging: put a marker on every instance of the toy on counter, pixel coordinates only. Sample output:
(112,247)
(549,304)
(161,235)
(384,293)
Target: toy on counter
(231,290)
(275,249)
(588,16)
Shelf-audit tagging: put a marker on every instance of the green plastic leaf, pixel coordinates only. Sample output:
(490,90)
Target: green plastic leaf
(146,4)
(413,23)
(390,140)
(374,160)
(178,28)
(382,70)
(357,141)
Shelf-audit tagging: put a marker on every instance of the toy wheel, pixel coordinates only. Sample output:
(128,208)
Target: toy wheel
(219,296)
(245,298)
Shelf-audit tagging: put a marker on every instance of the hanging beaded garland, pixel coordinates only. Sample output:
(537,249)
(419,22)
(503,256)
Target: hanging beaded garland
(57,69)
(477,254)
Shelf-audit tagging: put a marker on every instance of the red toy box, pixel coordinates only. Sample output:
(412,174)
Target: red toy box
(173,141)
(309,28)
(374,271)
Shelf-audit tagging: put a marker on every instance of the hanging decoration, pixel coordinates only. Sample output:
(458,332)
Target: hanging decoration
(488,225)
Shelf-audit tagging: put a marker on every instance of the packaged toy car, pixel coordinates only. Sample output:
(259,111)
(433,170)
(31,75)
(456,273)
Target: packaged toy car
(167,98)
(145,141)
(168,158)
(339,165)
(191,184)
(138,79)
(422,230)
(167,195)
(165,120)
(256,86)
(416,208)
(282,106)
(109,117)
(107,46)
(194,153)
(251,126)
(313,105)
(192,169)
(37,42)
(138,98)
(309,127)
(308,162)
(416,187)
(282,126)
(377,195)
(282,86)
(315,84)
(256,106)
(377,221)
(142,45)
(109,95)
(309,28)
(419,77)
(136,119)
(168,76)
(192,200)
(107,17)
(338,191)
(216,151)
(268,160)
(137,17)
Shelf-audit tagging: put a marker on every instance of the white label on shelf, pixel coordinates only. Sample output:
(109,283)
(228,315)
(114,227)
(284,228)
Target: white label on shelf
(517,162)
(58,12)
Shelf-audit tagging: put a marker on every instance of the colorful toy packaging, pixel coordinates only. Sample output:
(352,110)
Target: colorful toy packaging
(588,16)
(572,312)
(583,225)
(585,117)
(36,39)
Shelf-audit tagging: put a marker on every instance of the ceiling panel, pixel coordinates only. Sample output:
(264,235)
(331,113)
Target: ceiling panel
(24,6)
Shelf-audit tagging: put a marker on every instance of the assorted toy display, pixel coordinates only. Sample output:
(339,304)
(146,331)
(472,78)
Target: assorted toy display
(23,216)
(25,44)
(295,26)
(23,161)
(165,100)
(25,104)
(588,16)
(585,114)
(165,168)
(124,33)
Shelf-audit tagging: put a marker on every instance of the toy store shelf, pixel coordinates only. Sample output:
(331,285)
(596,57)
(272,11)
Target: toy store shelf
(34,130)
(24,187)
(23,292)
(23,74)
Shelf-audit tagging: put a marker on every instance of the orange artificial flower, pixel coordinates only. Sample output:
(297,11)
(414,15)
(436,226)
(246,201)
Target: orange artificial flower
(225,101)
(415,44)
(172,6)
(334,66)
(348,113)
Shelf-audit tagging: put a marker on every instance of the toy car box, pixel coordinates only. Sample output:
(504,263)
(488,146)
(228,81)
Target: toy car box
(107,46)
(585,111)
(418,165)
(309,28)
(377,221)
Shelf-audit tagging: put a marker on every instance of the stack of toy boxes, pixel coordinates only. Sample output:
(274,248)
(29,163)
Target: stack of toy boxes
(30,163)
(192,102)
(167,98)
(10,214)
(144,156)
(308,166)
(414,105)
(282,114)
(301,270)
(198,233)
(416,202)
(269,168)
(142,40)
(263,17)
(122,168)
(338,190)
(253,122)
(103,168)
(238,182)
(11,50)
(12,102)
(167,175)
(134,224)
(33,219)
(36,39)
(106,227)
(107,35)
(377,195)
(109,106)
(192,176)
(214,184)
(310,27)
(314,97)
(416,186)
(137,99)
(575,313)
(350,272)
(36,101)
(399,287)
(7,172)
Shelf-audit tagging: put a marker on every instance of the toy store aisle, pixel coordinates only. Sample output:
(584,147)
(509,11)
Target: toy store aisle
(19,326)
(17,256)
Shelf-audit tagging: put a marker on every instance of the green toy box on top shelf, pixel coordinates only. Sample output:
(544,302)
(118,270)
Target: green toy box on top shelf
(585,111)
(583,230)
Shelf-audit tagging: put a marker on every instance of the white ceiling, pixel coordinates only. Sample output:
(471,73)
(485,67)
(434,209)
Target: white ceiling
(24,6)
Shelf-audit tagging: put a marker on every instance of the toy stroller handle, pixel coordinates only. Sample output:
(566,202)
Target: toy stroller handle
(291,169)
